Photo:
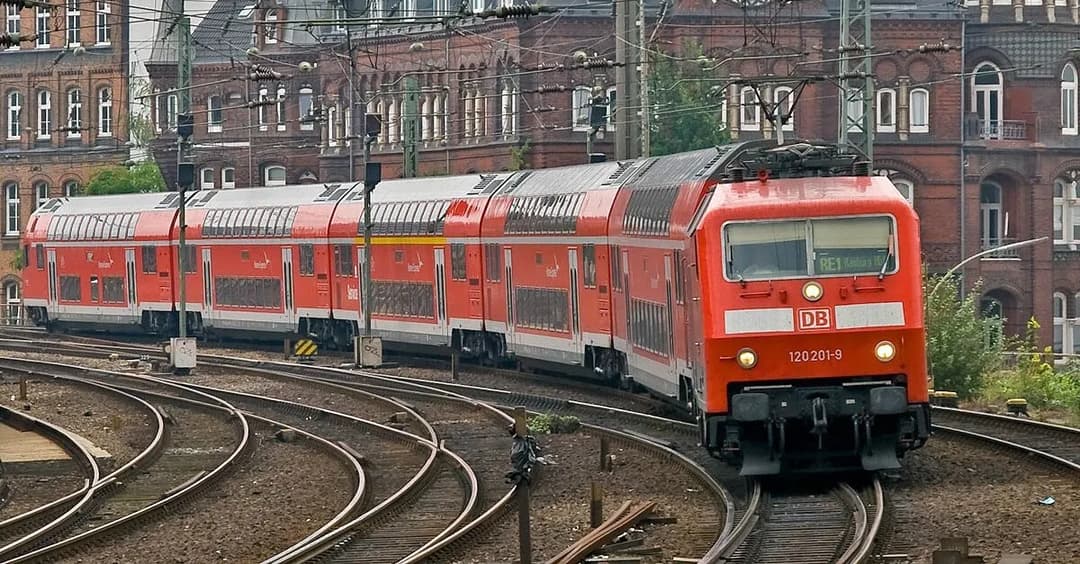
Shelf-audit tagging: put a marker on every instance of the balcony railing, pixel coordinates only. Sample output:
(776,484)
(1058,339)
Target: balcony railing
(1008,130)
(990,243)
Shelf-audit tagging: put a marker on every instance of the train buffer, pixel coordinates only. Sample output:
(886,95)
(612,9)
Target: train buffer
(305,349)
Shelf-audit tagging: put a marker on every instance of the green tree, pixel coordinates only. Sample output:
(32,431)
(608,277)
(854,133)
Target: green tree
(686,112)
(140,128)
(960,340)
(142,177)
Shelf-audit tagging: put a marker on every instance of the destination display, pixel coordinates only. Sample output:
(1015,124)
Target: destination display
(850,261)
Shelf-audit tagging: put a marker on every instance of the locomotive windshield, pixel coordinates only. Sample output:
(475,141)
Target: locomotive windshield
(815,247)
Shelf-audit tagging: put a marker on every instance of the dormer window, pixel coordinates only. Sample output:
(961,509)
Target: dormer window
(270,27)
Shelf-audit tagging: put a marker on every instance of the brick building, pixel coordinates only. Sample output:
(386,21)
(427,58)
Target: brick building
(63,95)
(982,139)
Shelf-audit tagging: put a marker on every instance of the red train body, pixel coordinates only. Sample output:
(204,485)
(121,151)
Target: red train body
(784,311)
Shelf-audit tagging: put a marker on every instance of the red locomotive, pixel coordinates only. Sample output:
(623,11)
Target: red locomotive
(774,291)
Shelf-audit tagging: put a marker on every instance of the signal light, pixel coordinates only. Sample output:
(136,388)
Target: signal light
(746,358)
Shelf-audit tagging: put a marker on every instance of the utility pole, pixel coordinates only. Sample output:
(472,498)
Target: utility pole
(408,124)
(856,130)
(643,75)
(628,39)
(182,350)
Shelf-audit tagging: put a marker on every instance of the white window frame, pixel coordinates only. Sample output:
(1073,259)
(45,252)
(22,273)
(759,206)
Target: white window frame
(264,95)
(102,29)
(14,115)
(14,16)
(579,115)
(1066,213)
(919,123)
(886,101)
(41,193)
(1061,322)
(44,34)
(987,217)
(74,25)
(986,93)
(172,108)
(12,303)
(784,95)
(71,188)
(214,114)
(206,178)
(331,123)
(281,108)
(270,31)
(612,95)
(74,112)
(105,111)
(305,101)
(909,185)
(11,209)
(1068,100)
(340,14)
(227,172)
(45,114)
(749,109)
(266,176)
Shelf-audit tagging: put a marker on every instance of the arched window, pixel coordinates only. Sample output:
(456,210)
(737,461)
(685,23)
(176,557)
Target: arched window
(988,99)
(281,108)
(171,111)
(105,112)
(44,124)
(214,114)
(11,206)
(206,179)
(41,194)
(305,102)
(1061,326)
(274,176)
(74,113)
(990,214)
(993,313)
(886,110)
(270,27)
(14,115)
(71,188)
(12,303)
(1068,100)
(580,114)
(906,189)
(612,98)
(331,125)
(784,99)
(228,177)
(103,31)
(749,110)
(919,110)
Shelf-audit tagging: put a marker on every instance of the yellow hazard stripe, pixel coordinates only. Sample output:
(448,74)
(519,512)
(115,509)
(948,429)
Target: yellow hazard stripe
(402,240)
(305,348)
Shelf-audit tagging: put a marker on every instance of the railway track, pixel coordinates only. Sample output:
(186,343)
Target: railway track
(1057,444)
(433,401)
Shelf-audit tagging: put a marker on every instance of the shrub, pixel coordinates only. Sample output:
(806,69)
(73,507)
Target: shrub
(1034,378)
(959,339)
(548,423)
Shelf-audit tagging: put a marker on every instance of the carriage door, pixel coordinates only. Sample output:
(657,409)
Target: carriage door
(669,319)
(209,314)
(287,282)
(52,280)
(575,310)
(132,294)
(509,298)
(358,270)
(440,291)
(625,263)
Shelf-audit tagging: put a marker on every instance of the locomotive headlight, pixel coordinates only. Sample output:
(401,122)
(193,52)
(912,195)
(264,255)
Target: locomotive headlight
(885,351)
(812,291)
(746,358)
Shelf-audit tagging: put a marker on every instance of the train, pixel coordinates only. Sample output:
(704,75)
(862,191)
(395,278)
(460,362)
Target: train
(772,290)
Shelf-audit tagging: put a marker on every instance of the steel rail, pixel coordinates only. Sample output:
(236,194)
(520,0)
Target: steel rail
(81,498)
(177,496)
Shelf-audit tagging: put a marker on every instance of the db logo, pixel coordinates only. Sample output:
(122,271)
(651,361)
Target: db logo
(817,318)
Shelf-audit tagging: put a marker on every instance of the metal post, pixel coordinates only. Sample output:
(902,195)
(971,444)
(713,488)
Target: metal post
(604,448)
(369,186)
(521,429)
(627,80)
(643,74)
(184,85)
(22,388)
(596,505)
(409,123)
(856,80)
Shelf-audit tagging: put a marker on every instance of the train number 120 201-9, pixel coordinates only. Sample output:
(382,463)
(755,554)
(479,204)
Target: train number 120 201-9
(816,355)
